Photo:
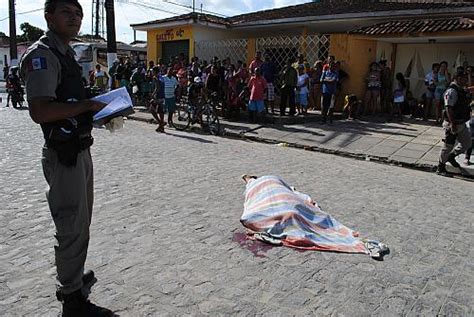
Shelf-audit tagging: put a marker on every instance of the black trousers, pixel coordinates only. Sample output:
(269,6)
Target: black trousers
(287,96)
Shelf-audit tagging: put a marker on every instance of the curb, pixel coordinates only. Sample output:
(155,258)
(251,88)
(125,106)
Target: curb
(360,157)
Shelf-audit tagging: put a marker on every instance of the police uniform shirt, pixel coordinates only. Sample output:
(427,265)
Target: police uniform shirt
(41,69)
(450,96)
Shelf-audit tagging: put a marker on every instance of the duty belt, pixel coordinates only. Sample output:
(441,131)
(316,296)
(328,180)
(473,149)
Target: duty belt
(68,150)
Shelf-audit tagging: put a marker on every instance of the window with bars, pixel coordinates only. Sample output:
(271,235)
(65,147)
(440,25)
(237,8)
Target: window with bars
(282,48)
(235,49)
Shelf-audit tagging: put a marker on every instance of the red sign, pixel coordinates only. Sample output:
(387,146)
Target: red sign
(169,35)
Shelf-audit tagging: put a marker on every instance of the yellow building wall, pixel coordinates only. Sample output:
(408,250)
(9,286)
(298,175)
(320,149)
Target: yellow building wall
(157,36)
(355,56)
(251,49)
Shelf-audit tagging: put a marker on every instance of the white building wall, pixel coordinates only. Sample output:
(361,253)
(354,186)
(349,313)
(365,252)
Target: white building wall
(5,51)
(416,60)
(210,42)
(205,33)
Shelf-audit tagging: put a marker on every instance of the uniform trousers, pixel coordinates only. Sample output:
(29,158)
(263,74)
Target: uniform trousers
(461,134)
(70,198)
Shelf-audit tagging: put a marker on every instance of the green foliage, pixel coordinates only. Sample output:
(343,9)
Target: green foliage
(30,33)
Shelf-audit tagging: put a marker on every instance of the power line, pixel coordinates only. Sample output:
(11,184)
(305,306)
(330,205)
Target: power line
(24,12)
(154,8)
(191,8)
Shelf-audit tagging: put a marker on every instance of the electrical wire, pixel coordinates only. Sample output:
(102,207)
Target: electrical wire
(191,8)
(20,13)
(123,13)
(154,8)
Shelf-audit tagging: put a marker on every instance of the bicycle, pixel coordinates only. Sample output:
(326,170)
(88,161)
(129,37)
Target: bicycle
(203,112)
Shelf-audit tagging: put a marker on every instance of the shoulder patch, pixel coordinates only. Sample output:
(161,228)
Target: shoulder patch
(37,63)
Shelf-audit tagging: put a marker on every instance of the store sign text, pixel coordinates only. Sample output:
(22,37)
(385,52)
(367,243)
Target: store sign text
(170,35)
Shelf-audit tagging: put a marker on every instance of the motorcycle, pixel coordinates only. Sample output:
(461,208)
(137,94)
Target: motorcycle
(16,96)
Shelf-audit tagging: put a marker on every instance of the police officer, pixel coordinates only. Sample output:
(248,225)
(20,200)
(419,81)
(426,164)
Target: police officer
(455,115)
(57,101)
(15,92)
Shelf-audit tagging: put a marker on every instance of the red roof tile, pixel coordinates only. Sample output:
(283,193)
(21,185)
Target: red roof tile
(321,8)
(197,16)
(417,26)
(332,7)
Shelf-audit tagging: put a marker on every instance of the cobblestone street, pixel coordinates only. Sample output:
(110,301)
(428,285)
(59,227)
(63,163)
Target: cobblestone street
(166,238)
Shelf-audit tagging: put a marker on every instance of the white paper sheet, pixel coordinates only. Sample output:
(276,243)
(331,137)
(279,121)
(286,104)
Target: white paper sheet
(116,105)
(116,100)
(111,95)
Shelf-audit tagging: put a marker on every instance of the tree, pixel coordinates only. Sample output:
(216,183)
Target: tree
(30,33)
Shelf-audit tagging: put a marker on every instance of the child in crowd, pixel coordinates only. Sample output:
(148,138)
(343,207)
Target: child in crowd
(257,85)
(399,95)
(417,107)
(351,104)
(302,90)
(195,95)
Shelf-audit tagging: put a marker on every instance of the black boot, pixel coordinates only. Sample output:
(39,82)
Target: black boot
(323,119)
(441,170)
(452,160)
(88,280)
(77,305)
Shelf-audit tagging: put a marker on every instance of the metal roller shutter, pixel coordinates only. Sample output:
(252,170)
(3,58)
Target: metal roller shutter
(174,48)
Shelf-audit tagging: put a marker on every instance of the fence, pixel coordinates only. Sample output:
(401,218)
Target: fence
(281,48)
(235,49)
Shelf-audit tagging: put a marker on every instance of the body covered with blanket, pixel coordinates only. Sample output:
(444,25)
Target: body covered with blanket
(278,214)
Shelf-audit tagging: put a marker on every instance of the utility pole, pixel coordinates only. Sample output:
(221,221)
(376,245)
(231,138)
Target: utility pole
(111,40)
(13,49)
(97,18)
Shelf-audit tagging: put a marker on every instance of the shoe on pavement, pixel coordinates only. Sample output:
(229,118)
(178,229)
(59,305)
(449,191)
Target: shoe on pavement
(88,280)
(77,305)
(441,170)
(452,160)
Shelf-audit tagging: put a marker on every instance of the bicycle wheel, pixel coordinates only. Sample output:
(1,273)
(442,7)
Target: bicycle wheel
(181,117)
(210,120)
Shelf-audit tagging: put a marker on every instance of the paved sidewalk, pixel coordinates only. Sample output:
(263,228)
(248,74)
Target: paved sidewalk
(413,143)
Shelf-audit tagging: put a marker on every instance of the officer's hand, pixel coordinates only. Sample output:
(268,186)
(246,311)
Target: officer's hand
(453,128)
(95,106)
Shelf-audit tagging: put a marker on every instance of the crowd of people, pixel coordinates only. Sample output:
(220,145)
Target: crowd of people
(236,87)
(301,87)
(397,99)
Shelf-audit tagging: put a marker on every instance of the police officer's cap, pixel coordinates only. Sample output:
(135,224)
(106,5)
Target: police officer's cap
(49,5)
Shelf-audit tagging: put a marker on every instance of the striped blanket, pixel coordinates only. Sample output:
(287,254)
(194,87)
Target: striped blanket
(277,211)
